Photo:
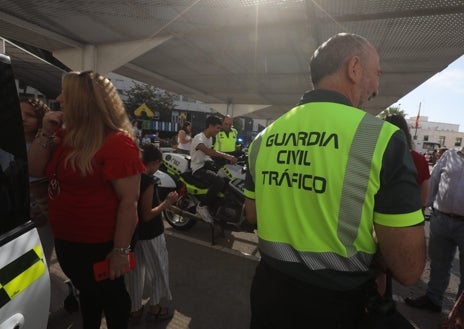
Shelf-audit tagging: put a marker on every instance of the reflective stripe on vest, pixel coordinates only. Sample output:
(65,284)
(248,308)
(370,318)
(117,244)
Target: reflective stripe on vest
(352,198)
(315,260)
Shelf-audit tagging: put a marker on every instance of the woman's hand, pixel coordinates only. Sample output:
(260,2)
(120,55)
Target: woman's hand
(119,264)
(51,122)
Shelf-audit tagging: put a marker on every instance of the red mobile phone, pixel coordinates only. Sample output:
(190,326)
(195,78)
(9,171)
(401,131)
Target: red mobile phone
(101,270)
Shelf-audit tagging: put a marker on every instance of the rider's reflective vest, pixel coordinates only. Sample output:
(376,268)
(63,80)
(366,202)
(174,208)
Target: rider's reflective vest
(315,180)
(226,143)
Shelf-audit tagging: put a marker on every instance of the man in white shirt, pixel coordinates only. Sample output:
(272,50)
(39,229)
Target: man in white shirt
(201,152)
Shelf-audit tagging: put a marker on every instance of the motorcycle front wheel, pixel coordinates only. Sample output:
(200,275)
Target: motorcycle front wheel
(181,223)
(178,222)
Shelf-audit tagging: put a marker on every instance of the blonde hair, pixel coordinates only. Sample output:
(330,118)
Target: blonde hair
(92,109)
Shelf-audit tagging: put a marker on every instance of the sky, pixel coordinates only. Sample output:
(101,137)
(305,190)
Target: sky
(441,97)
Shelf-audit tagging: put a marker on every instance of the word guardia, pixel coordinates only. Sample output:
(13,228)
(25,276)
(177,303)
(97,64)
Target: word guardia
(303,138)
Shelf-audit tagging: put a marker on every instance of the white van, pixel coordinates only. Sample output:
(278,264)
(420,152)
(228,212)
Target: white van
(24,277)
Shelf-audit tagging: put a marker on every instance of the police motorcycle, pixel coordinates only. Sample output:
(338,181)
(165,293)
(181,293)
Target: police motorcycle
(175,174)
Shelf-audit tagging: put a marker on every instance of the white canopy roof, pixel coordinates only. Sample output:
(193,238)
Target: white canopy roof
(244,57)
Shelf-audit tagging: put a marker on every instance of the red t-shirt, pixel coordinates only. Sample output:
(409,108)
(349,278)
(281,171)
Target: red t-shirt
(422,167)
(85,210)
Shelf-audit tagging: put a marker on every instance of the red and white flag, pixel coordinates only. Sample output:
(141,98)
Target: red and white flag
(418,116)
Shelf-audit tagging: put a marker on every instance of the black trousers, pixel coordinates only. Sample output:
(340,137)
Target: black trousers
(109,296)
(278,301)
(216,184)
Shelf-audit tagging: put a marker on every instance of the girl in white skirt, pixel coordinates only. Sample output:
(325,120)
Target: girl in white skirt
(151,256)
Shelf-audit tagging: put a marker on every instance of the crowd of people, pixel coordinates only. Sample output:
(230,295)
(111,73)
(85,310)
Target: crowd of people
(332,221)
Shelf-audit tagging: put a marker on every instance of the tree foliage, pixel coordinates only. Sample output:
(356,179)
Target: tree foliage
(158,100)
(392,110)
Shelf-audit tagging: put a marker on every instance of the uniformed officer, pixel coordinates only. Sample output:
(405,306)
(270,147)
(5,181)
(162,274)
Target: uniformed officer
(226,141)
(320,179)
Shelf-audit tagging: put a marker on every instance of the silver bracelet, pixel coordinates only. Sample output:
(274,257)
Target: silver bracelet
(124,251)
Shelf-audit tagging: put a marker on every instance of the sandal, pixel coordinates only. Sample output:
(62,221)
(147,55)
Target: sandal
(163,313)
(136,315)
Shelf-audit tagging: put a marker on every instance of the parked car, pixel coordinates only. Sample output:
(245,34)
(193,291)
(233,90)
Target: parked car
(24,277)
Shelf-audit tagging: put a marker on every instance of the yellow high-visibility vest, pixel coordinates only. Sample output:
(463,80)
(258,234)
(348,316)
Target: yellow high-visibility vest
(315,183)
(226,143)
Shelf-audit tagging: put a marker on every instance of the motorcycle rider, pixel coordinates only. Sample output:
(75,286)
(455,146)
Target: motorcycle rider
(203,166)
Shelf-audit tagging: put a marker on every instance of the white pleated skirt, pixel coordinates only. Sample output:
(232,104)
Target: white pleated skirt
(151,273)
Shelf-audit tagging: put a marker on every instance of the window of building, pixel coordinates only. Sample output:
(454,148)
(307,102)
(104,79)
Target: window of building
(442,140)
(426,138)
(458,141)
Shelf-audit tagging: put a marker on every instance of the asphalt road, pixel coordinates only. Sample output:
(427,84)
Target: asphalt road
(210,285)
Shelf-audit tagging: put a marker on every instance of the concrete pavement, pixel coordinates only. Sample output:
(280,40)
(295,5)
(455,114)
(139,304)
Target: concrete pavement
(210,285)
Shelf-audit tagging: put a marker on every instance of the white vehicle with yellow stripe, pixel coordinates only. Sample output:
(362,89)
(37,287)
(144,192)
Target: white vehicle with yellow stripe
(24,277)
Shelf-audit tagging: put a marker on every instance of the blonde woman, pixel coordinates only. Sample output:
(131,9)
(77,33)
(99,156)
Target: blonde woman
(93,166)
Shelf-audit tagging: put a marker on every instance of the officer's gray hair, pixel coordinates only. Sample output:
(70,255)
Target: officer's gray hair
(334,53)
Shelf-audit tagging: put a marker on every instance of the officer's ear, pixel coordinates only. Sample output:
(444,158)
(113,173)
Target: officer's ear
(354,69)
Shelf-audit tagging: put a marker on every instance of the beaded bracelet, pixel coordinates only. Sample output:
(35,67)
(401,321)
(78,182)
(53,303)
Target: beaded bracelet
(49,139)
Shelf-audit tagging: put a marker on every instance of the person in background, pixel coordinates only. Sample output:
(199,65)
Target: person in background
(316,212)
(226,140)
(137,131)
(446,229)
(151,255)
(184,138)
(202,165)
(156,139)
(32,112)
(422,166)
(93,166)
(439,153)
(145,140)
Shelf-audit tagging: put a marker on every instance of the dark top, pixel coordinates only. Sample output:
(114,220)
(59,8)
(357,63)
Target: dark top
(154,227)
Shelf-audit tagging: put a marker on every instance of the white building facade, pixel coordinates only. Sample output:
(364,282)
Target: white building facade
(430,134)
